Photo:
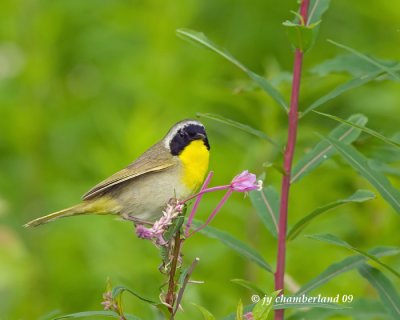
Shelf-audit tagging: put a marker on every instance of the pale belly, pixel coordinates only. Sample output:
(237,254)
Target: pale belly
(145,197)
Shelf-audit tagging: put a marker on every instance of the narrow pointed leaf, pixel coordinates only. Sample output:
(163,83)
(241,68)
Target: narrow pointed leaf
(317,9)
(368,59)
(384,168)
(86,314)
(249,285)
(339,90)
(232,316)
(266,203)
(324,150)
(351,64)
(241,126)
(90,314)
(239,311)
(262,309)
(278,306)
(343,266)
(200,38)
(330,238)
(359,196)
(362,128)
(268,88)
(238,246)
(121,289)
(131,317)
(376,178)
(386,290)
(207,315)
(360,309)
(50,315)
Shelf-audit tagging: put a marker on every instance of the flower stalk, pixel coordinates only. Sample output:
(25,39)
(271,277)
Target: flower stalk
(288,160)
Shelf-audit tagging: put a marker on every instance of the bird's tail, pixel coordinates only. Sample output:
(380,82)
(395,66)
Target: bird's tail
(100,206)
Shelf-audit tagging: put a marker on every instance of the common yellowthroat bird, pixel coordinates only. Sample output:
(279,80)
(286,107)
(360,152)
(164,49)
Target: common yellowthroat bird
(175,167)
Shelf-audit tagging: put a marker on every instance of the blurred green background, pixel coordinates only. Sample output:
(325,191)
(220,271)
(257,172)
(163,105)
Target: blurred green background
(86,86)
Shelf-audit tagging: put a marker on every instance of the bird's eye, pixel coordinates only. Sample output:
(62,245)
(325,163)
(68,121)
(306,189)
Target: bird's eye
(181,133)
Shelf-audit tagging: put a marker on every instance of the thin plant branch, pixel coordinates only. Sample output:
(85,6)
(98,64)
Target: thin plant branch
(184,284)
(196,203)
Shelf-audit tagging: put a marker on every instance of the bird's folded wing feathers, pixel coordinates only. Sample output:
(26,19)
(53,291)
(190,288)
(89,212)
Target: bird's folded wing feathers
(154,159)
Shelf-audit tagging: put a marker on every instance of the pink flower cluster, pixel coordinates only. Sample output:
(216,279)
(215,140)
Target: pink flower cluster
(155,233)
(108,302)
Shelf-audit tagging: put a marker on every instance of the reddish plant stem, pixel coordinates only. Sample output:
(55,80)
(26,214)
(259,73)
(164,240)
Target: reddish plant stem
(171,295)
(288,159)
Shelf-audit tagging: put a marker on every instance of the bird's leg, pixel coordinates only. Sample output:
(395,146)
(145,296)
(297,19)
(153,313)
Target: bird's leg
(136,221)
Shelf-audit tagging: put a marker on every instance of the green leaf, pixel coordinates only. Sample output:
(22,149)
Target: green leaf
(301,36)
(359,196)
(368,59)
(351,84)
(386,290)
(324,150)
(241,126)
(239,311)
(317,9)
(276,166)
(163,309)
(207,315)
(249,285)
(362,128)
(377,179)
(50,315)
(360,309)
(246,309)
(121,289)
(385,153)
(351,64)
(85,314)
(267,205)
(268,88)
(279,306)
(238,246)
(200,38)
(333,306)
(131,317)
(330,238)
(262,309)
(383,167)
(345,265)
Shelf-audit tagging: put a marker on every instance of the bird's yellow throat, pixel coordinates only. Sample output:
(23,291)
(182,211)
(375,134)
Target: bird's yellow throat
(194,159)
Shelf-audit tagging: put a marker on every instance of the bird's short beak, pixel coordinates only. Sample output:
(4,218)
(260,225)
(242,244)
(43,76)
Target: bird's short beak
(200,136)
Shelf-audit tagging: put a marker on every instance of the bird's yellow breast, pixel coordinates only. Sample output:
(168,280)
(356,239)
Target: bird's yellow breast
(194,159)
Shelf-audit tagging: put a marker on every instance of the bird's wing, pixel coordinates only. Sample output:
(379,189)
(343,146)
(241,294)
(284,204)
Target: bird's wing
(156,158)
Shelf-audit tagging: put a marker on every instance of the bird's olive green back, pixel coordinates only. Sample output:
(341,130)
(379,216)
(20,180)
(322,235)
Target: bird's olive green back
(156,158)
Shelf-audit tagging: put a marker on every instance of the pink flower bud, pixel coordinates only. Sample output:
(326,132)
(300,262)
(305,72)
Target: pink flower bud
(249,316)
